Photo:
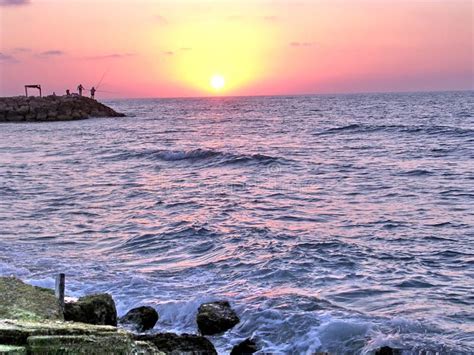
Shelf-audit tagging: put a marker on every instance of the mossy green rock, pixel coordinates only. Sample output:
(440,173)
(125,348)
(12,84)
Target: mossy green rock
(12,350)
(93,309)
(25,302)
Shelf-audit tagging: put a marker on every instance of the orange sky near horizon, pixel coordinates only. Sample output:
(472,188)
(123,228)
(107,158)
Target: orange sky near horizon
(174,48)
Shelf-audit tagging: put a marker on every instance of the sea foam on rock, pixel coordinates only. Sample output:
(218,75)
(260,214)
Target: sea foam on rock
(52,108)
(216,317)
(141,318)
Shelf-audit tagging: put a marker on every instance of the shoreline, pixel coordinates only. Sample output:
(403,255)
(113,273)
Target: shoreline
(33,320)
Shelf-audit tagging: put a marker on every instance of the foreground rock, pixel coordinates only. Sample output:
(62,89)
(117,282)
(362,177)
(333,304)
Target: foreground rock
(31,324)
(52,108)
(141,319)
(54,337)
(170,343)
(248,346)
(216,317)
(25,302)
(94,309)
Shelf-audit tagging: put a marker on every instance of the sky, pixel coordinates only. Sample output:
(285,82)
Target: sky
(153,48)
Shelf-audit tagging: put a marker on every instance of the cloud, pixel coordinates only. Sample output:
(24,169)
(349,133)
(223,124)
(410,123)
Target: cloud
(168,53)
(301,44)
(22,49)
(111,56)
(14,2)
(51,53)
(6,58)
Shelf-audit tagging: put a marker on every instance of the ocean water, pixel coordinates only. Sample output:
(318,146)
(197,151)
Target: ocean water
(331,223)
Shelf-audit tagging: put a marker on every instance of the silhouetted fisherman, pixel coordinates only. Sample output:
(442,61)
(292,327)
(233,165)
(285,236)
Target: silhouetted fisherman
(93,92)
(80,88)
(68,93)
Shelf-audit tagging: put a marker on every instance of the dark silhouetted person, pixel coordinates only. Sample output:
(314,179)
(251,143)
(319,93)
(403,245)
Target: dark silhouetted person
(68,93)
(80,88)
(93,92)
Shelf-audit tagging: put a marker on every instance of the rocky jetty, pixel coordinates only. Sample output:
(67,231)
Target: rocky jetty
(52,108)
(31,322)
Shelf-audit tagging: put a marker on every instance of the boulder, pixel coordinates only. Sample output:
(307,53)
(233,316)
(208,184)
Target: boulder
(248,346)
(94,309)
(25,302)
(141,318)
(170,343)
(216,317)
(387,350)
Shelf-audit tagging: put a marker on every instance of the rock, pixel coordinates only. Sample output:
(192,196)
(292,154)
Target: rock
(248,346)
(171,343)
(25,302)
(387,350)
(141,318)
(54,337)
(79,344)
(12,350)
(52,108)
(216,317)
(94,309)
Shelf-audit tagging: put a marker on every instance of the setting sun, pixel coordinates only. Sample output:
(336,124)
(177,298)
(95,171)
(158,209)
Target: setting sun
(217,82)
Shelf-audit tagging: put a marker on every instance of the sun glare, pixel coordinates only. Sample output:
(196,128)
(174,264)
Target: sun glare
(217,82)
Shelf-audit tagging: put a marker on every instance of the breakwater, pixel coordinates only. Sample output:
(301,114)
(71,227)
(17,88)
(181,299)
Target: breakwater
(52,108)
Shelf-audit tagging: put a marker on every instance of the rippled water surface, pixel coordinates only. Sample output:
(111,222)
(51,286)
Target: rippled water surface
(337,223)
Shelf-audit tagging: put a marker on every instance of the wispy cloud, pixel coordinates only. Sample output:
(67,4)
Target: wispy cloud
(301,44)
(168,53)
(52,53)
(14,2)
(6,58)
(110,56)
(22,49)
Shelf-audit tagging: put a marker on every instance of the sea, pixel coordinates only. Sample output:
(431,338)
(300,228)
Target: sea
(337,223)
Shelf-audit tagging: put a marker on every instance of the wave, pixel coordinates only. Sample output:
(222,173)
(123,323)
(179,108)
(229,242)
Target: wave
(193,156)
(411,129)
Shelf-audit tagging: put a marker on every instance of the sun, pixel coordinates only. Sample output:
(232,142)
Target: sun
(217,82)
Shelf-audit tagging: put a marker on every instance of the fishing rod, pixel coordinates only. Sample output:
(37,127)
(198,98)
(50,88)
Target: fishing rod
(102,78)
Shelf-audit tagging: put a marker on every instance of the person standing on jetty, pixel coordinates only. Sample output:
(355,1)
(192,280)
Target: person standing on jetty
(80,88)
(93,92)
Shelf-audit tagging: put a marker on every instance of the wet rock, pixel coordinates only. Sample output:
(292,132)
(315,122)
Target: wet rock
(94,309)
(248,346)
(141,318)
(170,343)
(216,317)
(387,350)
(25,302)
(12,350)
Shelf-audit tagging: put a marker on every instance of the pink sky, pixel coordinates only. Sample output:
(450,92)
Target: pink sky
(173,48)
